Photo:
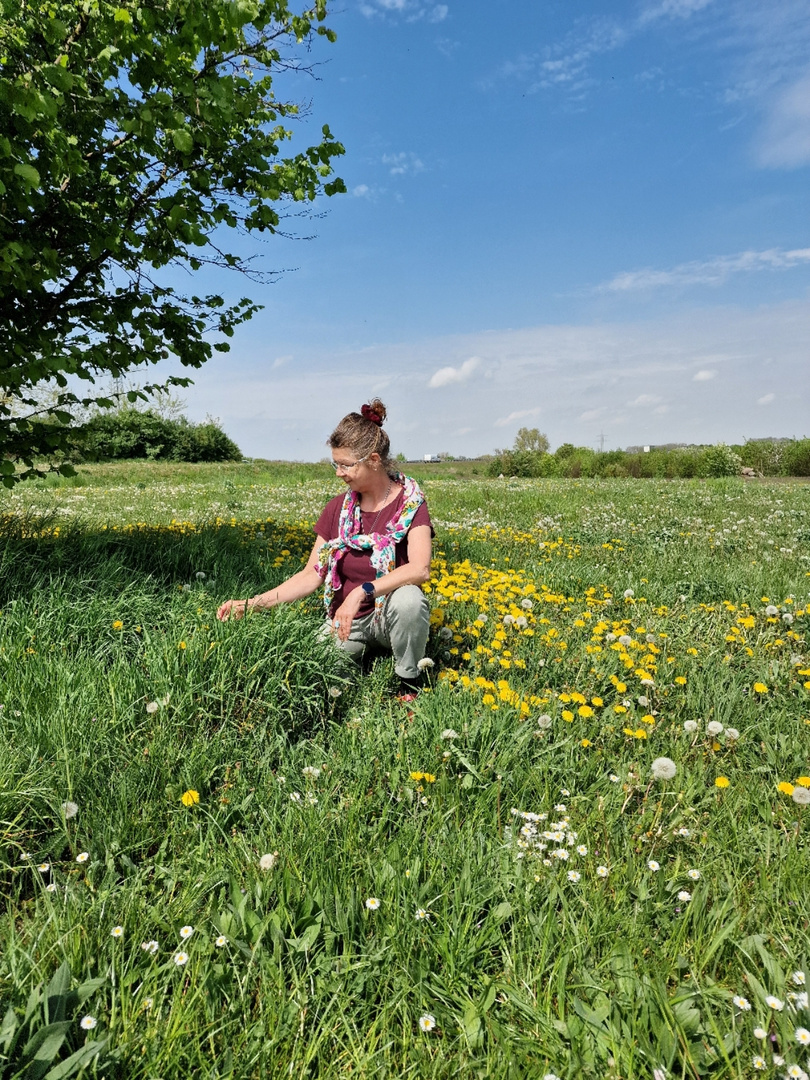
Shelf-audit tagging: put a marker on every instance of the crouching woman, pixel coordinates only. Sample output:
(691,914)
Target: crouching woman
(371,554)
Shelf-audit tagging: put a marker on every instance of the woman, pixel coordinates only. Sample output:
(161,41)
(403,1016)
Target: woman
(372,553)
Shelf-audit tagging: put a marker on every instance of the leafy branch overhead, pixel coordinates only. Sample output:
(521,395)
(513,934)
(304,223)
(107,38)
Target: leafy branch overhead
(133,134)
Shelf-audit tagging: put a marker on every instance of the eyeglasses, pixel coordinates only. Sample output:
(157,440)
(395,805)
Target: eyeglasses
(338,465)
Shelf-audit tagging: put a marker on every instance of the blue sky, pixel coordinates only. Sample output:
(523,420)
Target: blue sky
(593,219)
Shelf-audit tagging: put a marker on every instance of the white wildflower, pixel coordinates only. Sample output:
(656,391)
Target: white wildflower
(427,1022)
(372,903)
(797,978)
(186,932)
(693,874)
(774,1003)
(653,865)
(743,1004)
(180,958)
(311,772)
(82,857)
(449,733)
(602,871)
(88,1022)
(684,896)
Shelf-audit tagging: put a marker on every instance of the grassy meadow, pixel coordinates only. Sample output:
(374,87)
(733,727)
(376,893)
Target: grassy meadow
(225,855)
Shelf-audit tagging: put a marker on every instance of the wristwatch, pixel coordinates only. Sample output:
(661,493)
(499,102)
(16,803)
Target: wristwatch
(368,589)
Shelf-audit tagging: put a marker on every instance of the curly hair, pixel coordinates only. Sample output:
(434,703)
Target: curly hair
(364,436)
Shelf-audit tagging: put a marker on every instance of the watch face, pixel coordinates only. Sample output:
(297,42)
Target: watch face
(367,588)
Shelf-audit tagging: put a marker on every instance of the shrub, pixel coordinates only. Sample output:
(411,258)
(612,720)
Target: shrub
(795,458)
(719,460)
(128,434)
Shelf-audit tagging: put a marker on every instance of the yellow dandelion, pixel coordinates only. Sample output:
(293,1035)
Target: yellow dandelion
(567,715)
(680,680)
(585,711)
(721,782)
(190,797)
(803,781)
(760,688)
(585,742)
(181,645)
(785,787)
(118,625)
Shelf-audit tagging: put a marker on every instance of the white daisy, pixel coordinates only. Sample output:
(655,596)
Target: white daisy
(602,871)
(88,1022)
(180,958)
(82,857)
(372,903)
(653,865)
(774,1003)
(742,1003)
(186,932)
(427,1022)
(693,874)
(684,896)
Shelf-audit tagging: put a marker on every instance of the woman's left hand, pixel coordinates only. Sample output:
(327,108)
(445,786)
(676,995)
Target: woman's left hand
(346,614)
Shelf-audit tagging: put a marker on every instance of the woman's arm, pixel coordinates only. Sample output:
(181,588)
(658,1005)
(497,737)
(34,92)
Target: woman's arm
(302,584)
(416,571)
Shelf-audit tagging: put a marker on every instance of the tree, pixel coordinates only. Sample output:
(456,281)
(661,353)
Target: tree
(530,440)
(133,135)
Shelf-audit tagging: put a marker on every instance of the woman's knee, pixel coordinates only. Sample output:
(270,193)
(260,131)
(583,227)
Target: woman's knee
(408,603)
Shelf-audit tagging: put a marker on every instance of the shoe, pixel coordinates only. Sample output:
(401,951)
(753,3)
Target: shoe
(409,688)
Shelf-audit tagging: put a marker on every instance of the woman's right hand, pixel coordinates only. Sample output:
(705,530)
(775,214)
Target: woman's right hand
(232,609)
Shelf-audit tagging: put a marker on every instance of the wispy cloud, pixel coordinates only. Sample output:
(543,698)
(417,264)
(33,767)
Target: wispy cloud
(704,375)
(784,138)
(671,9)
(708,272)
(644,401)
(409,10)
(513,417)
(766,400)
(403,164)
(447,375)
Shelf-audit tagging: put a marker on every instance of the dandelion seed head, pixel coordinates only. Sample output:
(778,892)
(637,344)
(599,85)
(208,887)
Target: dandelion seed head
(714,727)
(311,772)
(151,707)
(268,861)
(663,768)
(425,663)
(801,796)
(690,726)
(70,809)
(449,733)
(732,734)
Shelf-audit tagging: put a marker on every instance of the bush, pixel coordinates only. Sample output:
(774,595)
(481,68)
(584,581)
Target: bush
(128,434)
(795,458)
(719,460)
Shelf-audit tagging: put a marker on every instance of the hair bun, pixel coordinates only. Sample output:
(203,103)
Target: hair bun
(375,412)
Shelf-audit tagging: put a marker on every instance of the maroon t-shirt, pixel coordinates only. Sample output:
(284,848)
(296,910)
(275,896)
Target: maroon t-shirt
(355,566)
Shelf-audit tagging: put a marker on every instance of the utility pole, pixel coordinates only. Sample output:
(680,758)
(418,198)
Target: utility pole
(601,442)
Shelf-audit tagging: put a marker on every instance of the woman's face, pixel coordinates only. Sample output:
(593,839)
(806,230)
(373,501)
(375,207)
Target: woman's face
(355,471)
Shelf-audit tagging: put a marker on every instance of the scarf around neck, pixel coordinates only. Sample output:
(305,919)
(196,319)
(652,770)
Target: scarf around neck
(382,544)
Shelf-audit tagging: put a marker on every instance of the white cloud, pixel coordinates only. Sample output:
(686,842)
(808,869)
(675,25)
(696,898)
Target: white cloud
(403,164)
(447,375)
(361,191)
(280,361)
(645,399)
(672,9)
(573,370)
(409,10)
(513,417)
(708,272)
(784,140)
(766,400)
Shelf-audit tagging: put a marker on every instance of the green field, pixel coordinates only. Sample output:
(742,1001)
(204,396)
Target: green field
(227,856)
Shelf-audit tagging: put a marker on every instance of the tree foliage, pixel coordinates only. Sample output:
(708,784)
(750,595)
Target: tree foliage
(133,135)
(530,441)
(127,433)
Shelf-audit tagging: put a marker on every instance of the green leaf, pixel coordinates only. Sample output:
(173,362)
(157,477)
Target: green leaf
(77,1061)
(183,140)
(122,15)
(27,173)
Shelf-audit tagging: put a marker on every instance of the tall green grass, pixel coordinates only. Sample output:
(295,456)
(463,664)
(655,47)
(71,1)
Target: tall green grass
(287,970)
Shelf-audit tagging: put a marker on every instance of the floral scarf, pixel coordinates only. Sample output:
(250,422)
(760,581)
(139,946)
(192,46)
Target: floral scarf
(383,552)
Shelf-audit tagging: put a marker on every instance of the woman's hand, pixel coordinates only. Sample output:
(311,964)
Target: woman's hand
(233,609)
(347,613)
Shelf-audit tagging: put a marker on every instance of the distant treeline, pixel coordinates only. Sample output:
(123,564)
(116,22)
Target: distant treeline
(126,434)
(765,456)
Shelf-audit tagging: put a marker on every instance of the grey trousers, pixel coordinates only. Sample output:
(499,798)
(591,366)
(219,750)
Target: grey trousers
(400,627)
